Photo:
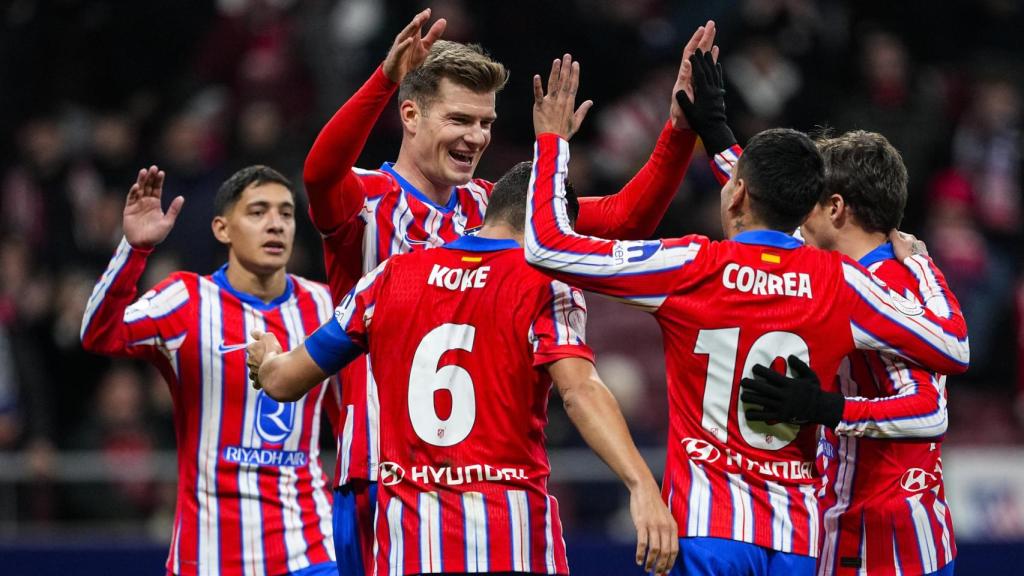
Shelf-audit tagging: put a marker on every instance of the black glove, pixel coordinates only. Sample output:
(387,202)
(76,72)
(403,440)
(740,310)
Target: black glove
(706,115)
(796,400)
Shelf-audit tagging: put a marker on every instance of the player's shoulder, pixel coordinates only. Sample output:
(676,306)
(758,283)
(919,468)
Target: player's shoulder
(318,289)
(377,183)
(478,185)
(895,274)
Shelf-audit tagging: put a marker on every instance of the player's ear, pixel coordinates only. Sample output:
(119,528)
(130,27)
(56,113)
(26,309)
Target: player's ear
(739,196)
(220,229)
(410,113)
(837,210)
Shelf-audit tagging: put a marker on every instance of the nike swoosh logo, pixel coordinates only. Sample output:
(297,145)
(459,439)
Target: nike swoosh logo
(412,242)
(224,349)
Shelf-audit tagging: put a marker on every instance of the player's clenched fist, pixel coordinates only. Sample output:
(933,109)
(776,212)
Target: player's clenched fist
(264,347)
(556,111)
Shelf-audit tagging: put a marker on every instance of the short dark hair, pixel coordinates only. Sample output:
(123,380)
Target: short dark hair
(784,174)
(508,197)
(868,172)
(467,65)
(232,188)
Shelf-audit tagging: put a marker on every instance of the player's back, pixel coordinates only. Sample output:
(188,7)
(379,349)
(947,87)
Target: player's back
(755,300)
(455,350)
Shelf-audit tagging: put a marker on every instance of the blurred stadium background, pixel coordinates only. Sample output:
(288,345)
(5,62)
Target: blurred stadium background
(91,90)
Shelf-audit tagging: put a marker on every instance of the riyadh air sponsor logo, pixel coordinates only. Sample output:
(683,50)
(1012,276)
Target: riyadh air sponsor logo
(264,457)
(916,480)
(700,450)
(391,473)
(274,420)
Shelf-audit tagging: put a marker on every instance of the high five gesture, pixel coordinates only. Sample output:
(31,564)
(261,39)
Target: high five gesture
(410,49)
(556,111)
(145,223)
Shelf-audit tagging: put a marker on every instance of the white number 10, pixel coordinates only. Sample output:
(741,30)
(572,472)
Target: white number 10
(722,347)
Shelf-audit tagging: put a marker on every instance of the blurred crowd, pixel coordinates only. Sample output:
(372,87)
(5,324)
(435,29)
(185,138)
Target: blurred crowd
(95,89)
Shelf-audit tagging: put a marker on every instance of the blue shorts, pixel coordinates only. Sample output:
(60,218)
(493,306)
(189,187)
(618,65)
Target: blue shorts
(354,504)
(946,570)
(721,557)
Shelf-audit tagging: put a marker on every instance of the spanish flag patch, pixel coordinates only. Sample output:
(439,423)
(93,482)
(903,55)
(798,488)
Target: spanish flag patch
(771,257)
(472,259)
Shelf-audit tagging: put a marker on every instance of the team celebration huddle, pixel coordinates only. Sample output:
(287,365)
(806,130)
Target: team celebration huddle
(806,352)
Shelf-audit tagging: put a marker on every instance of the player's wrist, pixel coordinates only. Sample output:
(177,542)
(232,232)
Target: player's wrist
(829,408)
(717,138)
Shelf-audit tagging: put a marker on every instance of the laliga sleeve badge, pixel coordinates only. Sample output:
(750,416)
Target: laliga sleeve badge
(905,305)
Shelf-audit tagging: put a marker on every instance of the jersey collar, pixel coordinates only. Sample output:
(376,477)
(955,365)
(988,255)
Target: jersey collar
(883,252)
(478,244)
(407,186)
(220,277)
(772,238)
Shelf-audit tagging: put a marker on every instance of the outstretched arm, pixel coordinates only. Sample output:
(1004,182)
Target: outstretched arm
(635,211)
(110,325)
(335,193)
(595,413)
(640,272)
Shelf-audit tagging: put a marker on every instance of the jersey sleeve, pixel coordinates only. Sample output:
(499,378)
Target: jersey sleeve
(559,325)
(917,409)
(882,320)
(723,164)
(336,193)
(344,338)
(641,273)
(156,322)
(635,211)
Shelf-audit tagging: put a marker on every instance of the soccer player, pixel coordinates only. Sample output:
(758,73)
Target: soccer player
(465,342)
(252,497)
(742,492)
(884,506)
(446,101)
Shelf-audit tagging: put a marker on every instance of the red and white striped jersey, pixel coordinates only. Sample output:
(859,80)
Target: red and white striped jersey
(458,338)
(884,508)
(366,216)
(252,496)
(724,307)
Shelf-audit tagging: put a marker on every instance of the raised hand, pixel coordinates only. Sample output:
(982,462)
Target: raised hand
(410,50)
(145,223)
(555,111)
(263,347)
(704,40)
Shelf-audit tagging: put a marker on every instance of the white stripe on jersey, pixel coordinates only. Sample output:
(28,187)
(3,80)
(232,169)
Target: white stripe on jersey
(325,310)
(474,514)
(373,422)
(782,524)
(864,550)
(923,531)
(345,449)
(479,195)
(549,538)
(519,525)
(371,258)
(699,500)
(430,533)
(294,539)
(176,546)
(811,502)
(742,509)
(396,556)
(897,563)
(939,508)
(99,292)
(934,297)
(401,218)
(157,304)
(212,372)
(251,520)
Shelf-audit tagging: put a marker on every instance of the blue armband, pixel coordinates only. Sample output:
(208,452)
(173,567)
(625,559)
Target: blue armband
(331,348)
